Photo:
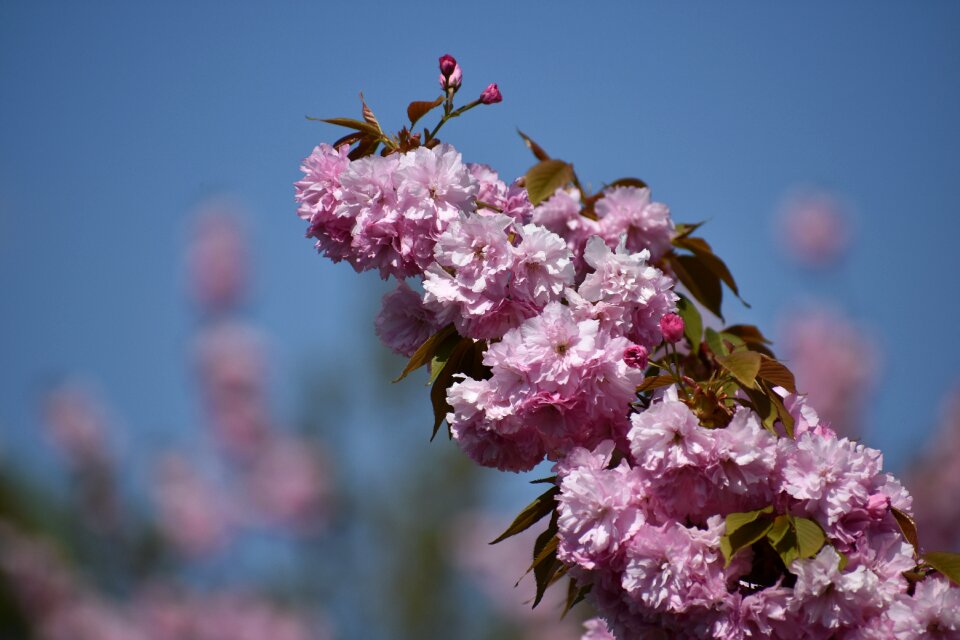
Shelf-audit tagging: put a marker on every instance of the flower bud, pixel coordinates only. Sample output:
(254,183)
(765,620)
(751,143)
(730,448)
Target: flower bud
(671,325)
(636,356)
(491,94)
(451,76)
(447,64)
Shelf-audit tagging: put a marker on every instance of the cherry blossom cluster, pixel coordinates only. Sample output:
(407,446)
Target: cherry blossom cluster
(558,377)
(660,479)
(646,532)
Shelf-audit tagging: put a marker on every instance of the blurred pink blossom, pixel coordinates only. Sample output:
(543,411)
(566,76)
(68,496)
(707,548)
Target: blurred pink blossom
(173,615)
(77,423)
(289,483)
(815,228)
(934,479)
(835,360)
(496,568)
(218,259)
(192,513)
(232,367)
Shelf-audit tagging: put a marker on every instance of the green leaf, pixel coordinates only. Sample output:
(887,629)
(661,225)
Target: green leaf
(776,373)
(946,563)
(442,355)
(780,528)
(735,341)
(764,408)
(534,147)
(908,527)
(701,282)
(844,561)
(715,342)
(544,178)
(810,537)
(655,382)
(781,411)
(427,350)
(743,529)
(420,108)
(783,539)
(744,365)
(350,123)
(692,322)
(532,514)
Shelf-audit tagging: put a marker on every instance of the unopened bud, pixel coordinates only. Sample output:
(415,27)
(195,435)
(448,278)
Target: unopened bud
(491,95)
(447,64)
(451,75)
(671,325)
(636,356)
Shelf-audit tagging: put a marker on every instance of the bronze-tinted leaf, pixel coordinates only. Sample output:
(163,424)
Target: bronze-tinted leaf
(427,350)
(628,182)
(777,373)
(908,527)
(367,147)
(702,283)
(544,178)
(575,594)
(368,114)
(350,123)
(748,333)
(348,139)
(531,514)
(418,109)
(702,249)
(459,359)
(685,229)
(655,382)
(692,244)
(545,567)
(534,147)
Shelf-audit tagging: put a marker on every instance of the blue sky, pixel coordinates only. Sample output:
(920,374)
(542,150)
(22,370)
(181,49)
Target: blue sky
(117,118)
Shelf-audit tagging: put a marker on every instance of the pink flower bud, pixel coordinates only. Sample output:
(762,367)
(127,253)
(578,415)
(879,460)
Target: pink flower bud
(636,356)
(447,64)
(451,75)
(491,94)
(671,325)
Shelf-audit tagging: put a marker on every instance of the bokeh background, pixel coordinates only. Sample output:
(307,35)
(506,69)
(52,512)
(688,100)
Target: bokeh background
(144,146)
